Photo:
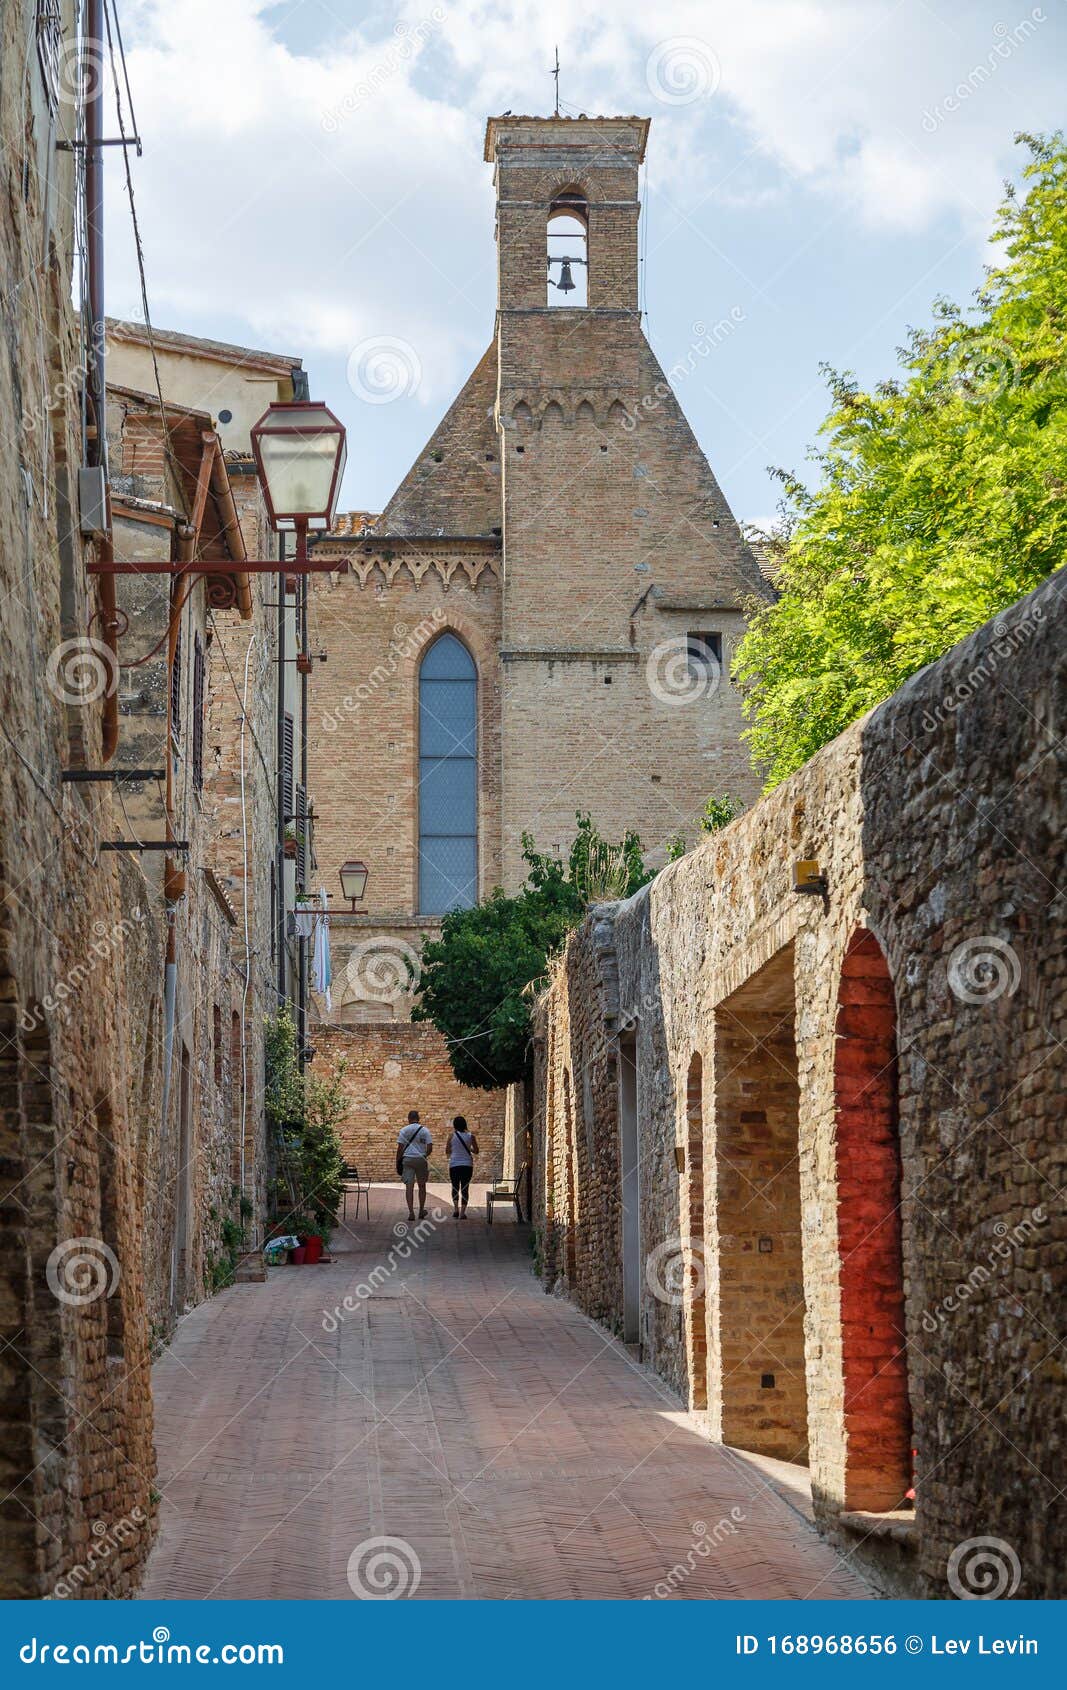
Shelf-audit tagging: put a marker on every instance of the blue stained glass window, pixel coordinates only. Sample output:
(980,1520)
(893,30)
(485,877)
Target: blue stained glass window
(448,782)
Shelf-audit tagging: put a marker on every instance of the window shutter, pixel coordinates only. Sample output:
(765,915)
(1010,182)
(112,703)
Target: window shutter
(287,768)
(301,837)
(198,714)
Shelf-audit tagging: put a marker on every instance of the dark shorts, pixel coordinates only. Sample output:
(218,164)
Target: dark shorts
(461,1179)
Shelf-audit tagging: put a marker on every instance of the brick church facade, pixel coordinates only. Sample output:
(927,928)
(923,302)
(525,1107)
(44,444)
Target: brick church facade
(540,621)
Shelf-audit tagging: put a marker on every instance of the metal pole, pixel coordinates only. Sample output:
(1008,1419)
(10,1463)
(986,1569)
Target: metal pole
(302,944)
(279,905)
(93,49)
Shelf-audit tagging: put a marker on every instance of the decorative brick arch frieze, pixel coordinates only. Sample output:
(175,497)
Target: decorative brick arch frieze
(382,570)
(877,1414)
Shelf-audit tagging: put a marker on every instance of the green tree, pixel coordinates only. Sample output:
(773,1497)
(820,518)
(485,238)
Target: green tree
(478,979)
(943,496)
(304,1112)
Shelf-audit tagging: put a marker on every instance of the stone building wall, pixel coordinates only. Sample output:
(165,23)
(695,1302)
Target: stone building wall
(206,1161)
(925,1176)
(391,1068)
(76,1455)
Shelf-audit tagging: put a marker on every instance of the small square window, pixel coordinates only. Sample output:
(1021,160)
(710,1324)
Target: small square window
(705,657)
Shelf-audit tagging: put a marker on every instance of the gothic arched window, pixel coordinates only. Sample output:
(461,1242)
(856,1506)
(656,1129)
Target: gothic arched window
(568,266)
(448,785)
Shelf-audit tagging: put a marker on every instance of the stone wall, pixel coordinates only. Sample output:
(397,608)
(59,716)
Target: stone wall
(856,1175)
(396,1066)
(75,1405)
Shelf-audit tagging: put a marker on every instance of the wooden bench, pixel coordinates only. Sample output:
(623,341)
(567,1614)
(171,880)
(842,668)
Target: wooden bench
(353,1183)
(506,1191)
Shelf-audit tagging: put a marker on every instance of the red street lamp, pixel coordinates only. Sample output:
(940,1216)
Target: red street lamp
(300,454)
(354,884)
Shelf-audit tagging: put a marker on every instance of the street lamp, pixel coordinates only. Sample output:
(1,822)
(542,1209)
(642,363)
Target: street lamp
(300,453)
(354,884)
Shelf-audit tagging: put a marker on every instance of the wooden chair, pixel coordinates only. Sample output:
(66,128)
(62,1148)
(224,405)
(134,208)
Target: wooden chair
(506,1191)
(353,1183)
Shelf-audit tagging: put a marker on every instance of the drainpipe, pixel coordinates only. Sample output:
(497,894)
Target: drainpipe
(302,943)
(93,48)
(173,874)
(279,907)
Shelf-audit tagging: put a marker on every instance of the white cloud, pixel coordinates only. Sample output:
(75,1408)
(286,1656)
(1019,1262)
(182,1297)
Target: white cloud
(308,188)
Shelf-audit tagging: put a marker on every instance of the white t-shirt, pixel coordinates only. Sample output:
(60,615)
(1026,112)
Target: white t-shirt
(461,1150)
(415,1139)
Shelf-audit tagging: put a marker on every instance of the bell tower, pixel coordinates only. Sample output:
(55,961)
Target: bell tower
(566,191)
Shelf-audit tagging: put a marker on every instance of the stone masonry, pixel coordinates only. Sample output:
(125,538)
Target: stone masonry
(827,1127)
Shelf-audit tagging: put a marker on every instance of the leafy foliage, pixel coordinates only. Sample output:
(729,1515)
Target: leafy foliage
(943,495)
(304,1112)
(478,978)
(719,812)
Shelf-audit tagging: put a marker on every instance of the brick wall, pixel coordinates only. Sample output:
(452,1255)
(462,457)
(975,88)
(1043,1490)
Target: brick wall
(939,827)
(394,1067)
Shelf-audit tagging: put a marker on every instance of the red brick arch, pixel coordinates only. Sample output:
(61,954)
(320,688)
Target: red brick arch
(874,1353)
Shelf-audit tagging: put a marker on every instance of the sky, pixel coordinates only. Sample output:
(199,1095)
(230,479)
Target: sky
(818,172)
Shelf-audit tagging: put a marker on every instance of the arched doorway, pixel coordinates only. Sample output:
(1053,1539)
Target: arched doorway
(878,1468)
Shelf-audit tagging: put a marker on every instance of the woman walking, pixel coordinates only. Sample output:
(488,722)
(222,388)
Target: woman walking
(461,1149)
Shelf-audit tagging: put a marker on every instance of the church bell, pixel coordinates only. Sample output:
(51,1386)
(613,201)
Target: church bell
(566,283)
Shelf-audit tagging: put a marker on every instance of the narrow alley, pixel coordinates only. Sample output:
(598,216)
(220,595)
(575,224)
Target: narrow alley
(503,1444)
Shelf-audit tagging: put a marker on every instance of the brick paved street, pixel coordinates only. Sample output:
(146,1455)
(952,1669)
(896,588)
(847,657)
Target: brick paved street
(508,1441)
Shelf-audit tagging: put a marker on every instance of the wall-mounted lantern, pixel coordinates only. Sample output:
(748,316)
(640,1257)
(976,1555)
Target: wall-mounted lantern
(807,878)
(354,884)
(300,454)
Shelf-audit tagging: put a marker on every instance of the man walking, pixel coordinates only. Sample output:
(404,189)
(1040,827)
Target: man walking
(412,1157)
